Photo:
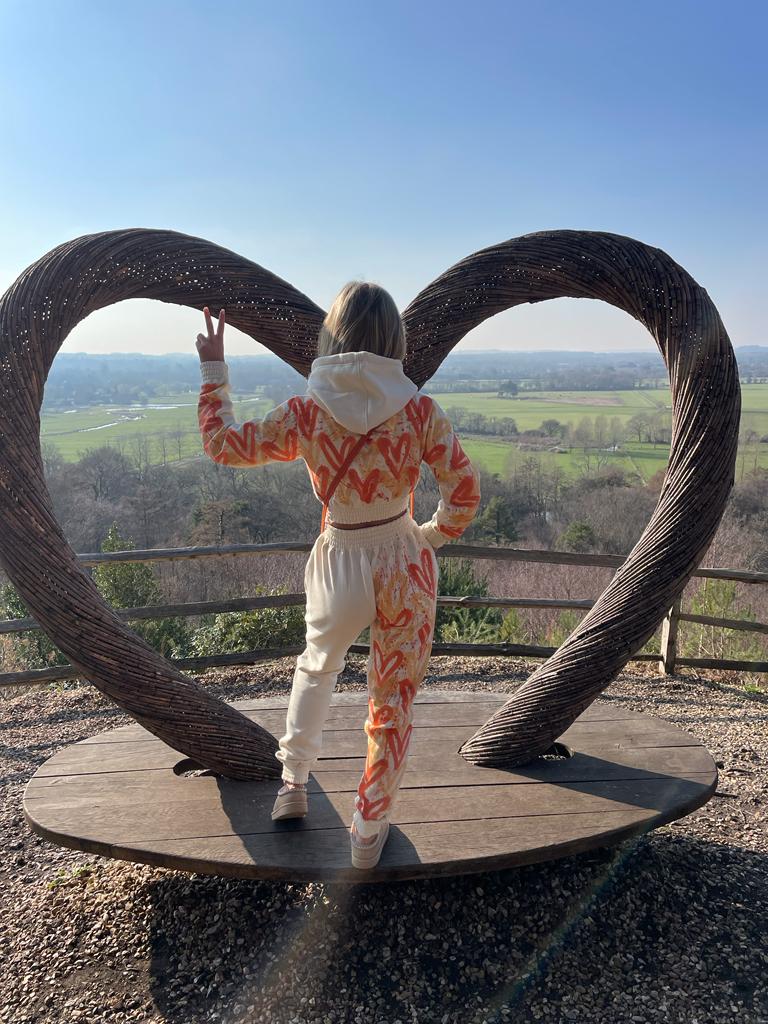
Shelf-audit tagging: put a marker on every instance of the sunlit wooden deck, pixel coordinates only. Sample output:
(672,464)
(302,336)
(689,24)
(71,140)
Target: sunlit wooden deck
(123,794)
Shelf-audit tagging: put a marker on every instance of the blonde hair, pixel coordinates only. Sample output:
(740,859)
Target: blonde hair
(363,318)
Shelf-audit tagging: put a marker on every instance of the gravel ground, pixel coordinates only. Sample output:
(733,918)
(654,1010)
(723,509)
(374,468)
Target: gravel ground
(668,927)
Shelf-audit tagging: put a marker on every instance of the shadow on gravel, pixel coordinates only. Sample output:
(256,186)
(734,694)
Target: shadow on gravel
(661,928)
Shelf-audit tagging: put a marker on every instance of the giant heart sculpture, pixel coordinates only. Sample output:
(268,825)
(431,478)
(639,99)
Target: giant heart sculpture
(54,294)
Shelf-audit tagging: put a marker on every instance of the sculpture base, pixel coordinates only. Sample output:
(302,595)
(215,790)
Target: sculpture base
(124,794)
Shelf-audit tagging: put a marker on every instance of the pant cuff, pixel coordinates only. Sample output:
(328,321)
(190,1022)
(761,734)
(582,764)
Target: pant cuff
(367,826)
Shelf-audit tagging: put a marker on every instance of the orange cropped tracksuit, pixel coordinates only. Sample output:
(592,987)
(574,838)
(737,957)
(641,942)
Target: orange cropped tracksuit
(363,430)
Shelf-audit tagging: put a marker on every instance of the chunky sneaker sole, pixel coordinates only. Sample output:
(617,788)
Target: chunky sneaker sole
(368,856)
(290,805)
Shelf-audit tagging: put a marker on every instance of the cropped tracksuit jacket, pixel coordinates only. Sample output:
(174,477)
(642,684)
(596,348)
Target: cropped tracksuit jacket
(349,394)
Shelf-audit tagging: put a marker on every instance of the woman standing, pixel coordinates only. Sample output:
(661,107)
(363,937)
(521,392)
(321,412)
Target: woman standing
(363,430)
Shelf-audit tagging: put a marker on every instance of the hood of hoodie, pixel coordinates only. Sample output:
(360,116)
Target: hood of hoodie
(359,389)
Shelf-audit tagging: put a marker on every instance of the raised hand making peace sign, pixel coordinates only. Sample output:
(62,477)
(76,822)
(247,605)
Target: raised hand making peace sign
(211,346)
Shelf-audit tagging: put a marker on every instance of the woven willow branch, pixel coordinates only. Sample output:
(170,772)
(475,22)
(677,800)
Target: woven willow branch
(706,403)
(40,309)
(36,314)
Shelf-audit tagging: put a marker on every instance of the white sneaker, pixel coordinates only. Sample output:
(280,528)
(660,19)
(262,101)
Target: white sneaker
(367,856)
(290,804)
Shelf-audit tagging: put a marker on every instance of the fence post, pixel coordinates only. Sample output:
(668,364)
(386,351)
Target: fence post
(669,640)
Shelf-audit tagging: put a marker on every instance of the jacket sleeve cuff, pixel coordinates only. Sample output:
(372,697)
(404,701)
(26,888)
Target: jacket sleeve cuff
(433,535)
(214,371)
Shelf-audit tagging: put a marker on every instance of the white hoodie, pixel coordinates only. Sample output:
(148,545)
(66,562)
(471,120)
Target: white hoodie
(359,389)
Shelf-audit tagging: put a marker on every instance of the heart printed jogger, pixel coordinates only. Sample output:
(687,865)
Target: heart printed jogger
(383,577)
(405,589)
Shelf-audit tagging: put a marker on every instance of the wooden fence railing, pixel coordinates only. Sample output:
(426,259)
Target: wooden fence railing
(668,659)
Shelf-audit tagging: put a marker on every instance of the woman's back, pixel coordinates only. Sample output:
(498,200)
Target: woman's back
(363,430)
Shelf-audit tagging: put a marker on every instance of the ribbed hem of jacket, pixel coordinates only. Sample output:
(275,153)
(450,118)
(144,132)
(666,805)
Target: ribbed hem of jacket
(214,371)
(338,513)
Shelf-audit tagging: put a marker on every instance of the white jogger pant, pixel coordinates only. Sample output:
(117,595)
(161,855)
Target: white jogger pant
(384,577)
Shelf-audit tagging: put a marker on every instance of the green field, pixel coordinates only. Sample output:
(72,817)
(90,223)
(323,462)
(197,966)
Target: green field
(172,420)
(640,460)
(500,456)
(529,409)
(754,408)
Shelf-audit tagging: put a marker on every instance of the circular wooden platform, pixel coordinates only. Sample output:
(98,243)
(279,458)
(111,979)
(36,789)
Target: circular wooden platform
(123,794)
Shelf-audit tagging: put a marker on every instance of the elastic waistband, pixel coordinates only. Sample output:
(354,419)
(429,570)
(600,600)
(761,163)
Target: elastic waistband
(368,536)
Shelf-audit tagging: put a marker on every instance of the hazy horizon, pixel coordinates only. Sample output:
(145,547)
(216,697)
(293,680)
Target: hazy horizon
(473,351)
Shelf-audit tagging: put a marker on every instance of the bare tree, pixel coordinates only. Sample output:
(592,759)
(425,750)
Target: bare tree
(616,430)
(601,431)
(178,435)
(140,454)
(53,460)
(584,433)
(106,473)
(639,425)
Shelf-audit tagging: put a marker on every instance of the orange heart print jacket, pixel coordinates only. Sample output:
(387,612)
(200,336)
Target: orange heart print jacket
(349,394)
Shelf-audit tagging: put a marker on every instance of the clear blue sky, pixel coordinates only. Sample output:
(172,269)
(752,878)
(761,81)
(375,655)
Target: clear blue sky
(335,140)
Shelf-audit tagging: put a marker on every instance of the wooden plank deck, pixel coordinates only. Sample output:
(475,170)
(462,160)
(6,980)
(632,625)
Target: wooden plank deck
(121,794)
